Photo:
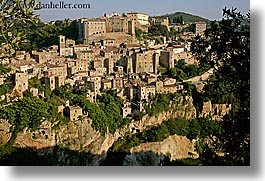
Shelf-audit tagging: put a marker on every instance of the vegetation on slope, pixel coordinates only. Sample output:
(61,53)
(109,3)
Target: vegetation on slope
(179,17)
(226,47)
(194,129)
(181,71)
(43,35)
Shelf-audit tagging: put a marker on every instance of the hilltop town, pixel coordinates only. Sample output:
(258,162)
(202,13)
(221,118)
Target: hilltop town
(107,56)
(124,89)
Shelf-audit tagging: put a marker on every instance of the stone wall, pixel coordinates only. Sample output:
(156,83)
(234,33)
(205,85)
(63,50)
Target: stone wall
(215,111)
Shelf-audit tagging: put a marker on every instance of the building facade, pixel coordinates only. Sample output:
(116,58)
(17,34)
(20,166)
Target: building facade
(141,18)
(200,28)
(89,27)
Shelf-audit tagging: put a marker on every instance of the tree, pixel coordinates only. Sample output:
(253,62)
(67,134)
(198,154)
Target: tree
(138,33)
(158,30)
(28,112)
(4,69)
(226,47)
(12,11)
(181,19)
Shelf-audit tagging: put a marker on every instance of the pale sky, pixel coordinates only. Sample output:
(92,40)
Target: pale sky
(211,9)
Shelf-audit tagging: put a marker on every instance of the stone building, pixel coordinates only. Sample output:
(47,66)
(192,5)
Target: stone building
(73,112)
(106,84)
(55,70)
(160,21)
(145,61)
(91,96)
(169,58)
(81,47)
(117,83)
(131,28)
(66,47)
(126,111)
(109,64)
(2,79)
(94,86)
(108,42)
(85,55)
(145,92)
(200,27)
(21,82)
(54,82)
(169,85)
(90,27)
(34,91)
(138,18)
(117,24)
(41,56)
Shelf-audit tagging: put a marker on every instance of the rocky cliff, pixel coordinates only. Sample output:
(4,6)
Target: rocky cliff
(79,136)
(176,147)
(215,111)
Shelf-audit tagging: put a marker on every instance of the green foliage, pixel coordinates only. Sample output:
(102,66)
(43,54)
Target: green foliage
(138,33)
(13,11)
(6,149)
(106,114)
(220,90)
(204,127)
(178,126)
(181,162)
(28,112)
(7,87)
(160,103)
(4,69)
(34,83)
(158,41)
(44,35)
(229,42)
(183,72)
(197,128)
(158,30)
(64,92)
(179,17)
(138,115)
(162,70)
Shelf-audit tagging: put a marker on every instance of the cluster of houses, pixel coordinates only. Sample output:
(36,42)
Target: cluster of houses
(129,68)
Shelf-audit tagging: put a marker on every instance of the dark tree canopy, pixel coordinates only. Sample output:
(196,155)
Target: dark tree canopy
(226,47)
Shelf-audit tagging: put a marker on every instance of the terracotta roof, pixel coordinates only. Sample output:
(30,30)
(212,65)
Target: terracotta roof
(85,51)
(74,107)
(200,23)
(94,20)
(134,12)
(105,80)
(54,66)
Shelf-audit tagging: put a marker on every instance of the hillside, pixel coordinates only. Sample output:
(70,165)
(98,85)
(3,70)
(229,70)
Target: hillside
(184,16)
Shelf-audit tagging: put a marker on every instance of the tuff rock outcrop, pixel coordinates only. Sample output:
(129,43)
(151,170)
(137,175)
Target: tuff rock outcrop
(91,147)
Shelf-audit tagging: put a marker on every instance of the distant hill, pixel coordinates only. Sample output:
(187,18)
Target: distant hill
(181,16)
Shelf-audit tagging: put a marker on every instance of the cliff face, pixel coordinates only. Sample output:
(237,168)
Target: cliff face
(79,136)
(176,147)
(215,111)
(5,132)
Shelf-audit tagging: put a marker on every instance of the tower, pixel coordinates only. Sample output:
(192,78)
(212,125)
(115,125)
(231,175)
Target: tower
(156,62)
(131,27)
(61,41)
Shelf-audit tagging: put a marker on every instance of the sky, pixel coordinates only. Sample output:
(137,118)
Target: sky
(210,9)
